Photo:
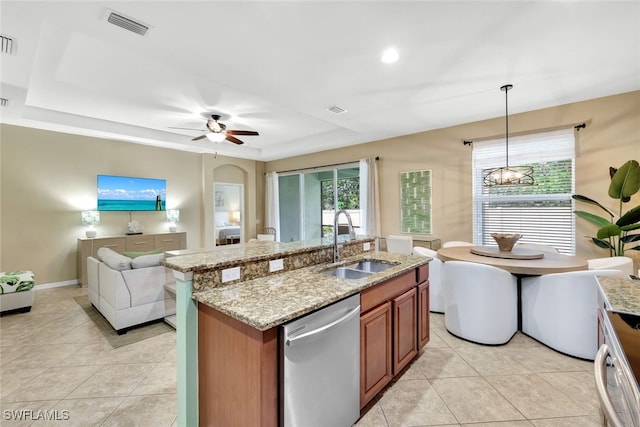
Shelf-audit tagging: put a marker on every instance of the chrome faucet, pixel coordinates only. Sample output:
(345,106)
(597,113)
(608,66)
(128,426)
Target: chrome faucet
(352,234)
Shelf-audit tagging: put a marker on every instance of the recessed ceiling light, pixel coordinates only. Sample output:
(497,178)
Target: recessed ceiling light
(390,56)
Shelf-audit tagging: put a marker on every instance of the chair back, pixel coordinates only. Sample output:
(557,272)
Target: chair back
(560,310)
(621,263)
(481,302)
(436,297)
(399,244)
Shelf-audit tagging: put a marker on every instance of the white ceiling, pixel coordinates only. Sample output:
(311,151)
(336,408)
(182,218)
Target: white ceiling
(275,67)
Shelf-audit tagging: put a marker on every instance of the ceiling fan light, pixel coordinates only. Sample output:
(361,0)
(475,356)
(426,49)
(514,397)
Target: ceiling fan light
(216,137)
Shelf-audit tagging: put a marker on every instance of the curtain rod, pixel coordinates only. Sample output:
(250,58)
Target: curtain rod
(323,166)
(575,126)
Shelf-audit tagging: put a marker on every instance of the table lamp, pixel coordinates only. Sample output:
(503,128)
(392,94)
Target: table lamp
(173,216)
(90,218)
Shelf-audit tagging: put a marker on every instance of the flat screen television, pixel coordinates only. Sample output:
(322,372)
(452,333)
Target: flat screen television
(126,193)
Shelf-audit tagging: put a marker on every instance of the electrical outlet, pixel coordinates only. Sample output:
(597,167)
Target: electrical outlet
(230,274)
(366,246)
(276,265)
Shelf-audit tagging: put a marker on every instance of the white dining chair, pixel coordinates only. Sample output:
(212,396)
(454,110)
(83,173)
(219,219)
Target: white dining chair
(560,310)
(436,298)
(622,263)
(452,243)
(481,302)
(399,244)
(537,246)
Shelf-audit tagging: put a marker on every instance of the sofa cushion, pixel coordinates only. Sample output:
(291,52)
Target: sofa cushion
(133,255)
(146,285)
(113,259)
(147,261)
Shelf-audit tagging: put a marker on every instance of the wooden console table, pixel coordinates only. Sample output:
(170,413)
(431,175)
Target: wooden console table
(129,243)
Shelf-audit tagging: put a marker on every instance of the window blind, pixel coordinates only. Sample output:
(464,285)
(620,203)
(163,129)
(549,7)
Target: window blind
(543,212)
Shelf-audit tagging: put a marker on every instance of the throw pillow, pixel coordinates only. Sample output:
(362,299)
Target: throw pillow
(113,259)
(133,255)
(144,261)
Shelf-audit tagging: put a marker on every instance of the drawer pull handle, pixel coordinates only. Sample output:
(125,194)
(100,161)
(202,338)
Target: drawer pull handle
(140,243)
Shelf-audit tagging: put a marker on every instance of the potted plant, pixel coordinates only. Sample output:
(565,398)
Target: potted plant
(615,235)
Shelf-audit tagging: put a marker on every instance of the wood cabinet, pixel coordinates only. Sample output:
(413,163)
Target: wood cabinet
(394,325)
(133,243)
(405,329)
(375,351)
(423,314)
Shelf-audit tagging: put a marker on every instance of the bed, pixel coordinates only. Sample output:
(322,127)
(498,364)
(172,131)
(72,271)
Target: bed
(225,232)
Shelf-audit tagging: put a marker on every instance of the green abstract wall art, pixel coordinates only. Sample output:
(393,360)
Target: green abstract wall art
(415,202)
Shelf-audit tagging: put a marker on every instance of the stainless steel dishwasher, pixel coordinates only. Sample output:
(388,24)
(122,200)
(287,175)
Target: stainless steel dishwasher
(320,367)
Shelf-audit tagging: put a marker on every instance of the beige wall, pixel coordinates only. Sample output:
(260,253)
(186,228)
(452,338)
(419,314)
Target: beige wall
(47,178)
(610,139)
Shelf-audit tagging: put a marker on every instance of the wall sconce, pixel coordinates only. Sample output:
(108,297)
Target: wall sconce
(173,216)
(90,218)
(234,217)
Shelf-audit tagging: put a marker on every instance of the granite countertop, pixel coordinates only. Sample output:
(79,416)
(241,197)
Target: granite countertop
(622,294)
(278,298)
(221,256)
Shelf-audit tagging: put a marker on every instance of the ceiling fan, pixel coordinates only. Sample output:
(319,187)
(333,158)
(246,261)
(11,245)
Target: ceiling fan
(219,132)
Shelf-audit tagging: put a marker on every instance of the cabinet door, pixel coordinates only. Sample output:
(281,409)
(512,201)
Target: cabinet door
(423,314)
(375,351)
(117,244)
(405,334)
(169,241)
(140,243)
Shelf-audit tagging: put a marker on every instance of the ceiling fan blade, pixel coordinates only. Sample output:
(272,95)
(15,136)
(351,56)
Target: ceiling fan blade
(174,127)
(234,139)
(198,138)
(241,132)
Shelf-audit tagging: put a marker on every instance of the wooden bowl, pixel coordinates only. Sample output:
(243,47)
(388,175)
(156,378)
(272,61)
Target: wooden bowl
(506,241)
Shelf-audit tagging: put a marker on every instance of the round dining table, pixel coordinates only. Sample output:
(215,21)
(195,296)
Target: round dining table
(549,262)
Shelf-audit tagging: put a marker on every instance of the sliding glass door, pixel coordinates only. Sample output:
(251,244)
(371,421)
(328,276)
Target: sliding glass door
(308,201)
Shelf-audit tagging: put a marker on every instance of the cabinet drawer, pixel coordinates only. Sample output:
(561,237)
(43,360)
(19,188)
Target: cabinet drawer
(168,242)
(117,244)
(422,273)
(383,292)
(140,243)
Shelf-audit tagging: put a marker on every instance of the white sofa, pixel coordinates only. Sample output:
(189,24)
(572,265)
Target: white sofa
(127,291)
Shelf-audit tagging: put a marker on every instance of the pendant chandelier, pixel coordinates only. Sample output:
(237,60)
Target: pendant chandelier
(507,175)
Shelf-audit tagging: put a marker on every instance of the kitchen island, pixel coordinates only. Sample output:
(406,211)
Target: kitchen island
(227,339)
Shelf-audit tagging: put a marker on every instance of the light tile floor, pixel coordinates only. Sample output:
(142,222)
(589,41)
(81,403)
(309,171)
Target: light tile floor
(54,360)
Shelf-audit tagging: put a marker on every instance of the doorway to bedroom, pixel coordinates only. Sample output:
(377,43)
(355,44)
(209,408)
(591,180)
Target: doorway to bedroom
(228,213)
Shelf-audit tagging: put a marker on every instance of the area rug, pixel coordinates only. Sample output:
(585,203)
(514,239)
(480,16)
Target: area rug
(133,335)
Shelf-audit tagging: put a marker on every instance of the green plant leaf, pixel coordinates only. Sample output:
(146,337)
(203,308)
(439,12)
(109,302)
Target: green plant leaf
(593,219)
(630,238)
(630,227)
(608,231)
(584,199)
(630,217)
(626,181)
(602,243)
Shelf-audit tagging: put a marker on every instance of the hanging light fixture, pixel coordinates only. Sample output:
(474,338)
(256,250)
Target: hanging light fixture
(507,175)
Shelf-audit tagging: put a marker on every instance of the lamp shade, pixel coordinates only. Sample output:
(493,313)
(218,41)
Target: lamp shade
(90,217)
(173,215)
(234,216)
(216,136)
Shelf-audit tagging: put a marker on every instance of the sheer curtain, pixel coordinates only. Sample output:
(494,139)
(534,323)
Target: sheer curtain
(369,197)
(272,203)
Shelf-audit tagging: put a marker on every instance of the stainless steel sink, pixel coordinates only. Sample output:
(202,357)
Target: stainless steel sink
(371,266)
(346,273)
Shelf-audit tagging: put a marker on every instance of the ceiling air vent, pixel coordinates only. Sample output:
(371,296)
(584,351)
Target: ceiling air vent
(127,23)
(7,44)
(336,110)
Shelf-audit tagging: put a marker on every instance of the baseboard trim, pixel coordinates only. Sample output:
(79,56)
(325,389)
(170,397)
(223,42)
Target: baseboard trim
(55,285)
